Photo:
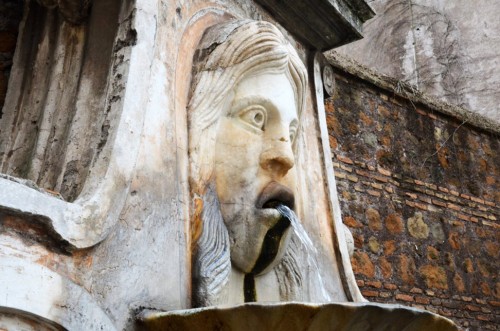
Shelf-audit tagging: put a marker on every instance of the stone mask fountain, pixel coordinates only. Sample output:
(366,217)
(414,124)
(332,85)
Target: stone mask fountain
(166,166)
(254,265)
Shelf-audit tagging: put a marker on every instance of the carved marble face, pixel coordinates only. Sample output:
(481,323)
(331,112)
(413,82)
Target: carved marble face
(254,163)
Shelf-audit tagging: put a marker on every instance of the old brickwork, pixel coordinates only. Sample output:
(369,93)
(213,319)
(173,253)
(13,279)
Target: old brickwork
(420,192)
(10,16)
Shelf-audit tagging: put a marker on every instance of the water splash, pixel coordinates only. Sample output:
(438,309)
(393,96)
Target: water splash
(309,251)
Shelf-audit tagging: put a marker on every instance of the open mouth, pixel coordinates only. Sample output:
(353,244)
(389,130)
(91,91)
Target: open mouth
(275,194)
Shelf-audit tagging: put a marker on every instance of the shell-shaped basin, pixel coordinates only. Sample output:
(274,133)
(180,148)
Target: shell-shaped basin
(290,316)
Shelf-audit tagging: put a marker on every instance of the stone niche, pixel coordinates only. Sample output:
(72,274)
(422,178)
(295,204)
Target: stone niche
(114,183)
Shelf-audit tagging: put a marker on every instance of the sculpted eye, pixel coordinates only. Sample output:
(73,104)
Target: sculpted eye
(254,116)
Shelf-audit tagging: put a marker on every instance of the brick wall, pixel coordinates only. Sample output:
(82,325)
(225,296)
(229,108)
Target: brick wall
(420,192)
(10,16)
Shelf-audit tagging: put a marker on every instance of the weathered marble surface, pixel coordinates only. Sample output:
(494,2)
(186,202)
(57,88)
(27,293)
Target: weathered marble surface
(447,48)
(297,316)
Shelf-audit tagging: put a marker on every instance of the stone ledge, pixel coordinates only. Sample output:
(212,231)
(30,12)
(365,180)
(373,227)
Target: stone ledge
(322,24)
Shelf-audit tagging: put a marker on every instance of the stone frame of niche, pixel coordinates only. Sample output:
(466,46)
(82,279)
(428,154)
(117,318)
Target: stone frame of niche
(197,24)
(90,217)
(317,69)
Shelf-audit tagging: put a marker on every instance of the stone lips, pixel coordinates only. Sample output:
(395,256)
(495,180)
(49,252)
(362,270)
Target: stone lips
(274,194)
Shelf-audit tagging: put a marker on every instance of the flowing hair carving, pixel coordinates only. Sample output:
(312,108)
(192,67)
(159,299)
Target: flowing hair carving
(227,53)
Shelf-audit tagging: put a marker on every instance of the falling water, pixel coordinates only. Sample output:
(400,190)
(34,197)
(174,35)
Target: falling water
(309,248)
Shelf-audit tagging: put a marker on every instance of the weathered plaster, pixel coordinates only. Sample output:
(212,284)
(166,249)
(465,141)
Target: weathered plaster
(446,48)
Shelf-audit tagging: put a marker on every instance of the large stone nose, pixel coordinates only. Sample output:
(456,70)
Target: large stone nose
(278,157)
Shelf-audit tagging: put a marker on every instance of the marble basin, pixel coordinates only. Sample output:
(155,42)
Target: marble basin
(291,316)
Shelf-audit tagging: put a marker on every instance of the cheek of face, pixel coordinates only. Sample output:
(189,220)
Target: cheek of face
(238,185)
(237,164)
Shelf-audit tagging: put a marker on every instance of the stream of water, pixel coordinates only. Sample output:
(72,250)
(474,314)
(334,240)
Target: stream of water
(310,252)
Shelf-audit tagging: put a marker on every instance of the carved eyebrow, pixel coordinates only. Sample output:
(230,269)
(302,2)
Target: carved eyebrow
(247,101)
(242,103)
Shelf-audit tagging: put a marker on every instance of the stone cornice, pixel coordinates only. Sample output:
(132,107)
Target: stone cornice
(321,24)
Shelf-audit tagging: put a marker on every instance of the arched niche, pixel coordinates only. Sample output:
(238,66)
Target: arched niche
(325,225)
